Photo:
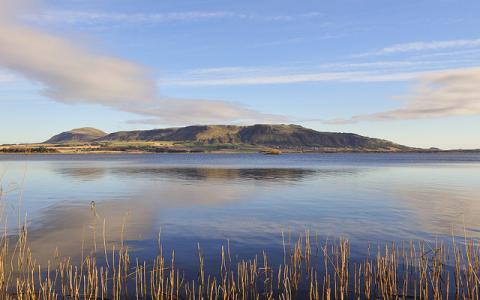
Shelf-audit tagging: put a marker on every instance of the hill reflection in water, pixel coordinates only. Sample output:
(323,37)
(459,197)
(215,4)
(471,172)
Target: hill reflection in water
(204,199)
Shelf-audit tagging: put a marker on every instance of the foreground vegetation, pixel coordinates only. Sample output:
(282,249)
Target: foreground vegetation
(310,270)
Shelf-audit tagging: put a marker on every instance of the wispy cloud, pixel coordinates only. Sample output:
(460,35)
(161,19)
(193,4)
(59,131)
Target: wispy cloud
(437,94)
(305,78)
(270,79)
(423,46)
(298,40)
(70,73)
(460,54)
(95,17)
(376,71)
(74,17)
(441,88)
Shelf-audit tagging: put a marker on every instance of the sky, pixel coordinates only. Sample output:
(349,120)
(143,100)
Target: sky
(406,71)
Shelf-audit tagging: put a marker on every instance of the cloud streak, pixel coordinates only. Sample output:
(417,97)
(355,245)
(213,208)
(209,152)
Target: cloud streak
(75,17)
(437,94)
(95,17)
(380,71)
(73,74)
(301,78)
(423,46)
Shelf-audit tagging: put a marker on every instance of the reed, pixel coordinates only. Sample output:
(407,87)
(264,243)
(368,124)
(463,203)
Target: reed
(310,269)
(417,270)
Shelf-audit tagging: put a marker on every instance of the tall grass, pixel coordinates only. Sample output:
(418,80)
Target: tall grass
(310,270)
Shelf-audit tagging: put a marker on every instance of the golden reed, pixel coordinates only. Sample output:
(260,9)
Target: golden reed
(310,270)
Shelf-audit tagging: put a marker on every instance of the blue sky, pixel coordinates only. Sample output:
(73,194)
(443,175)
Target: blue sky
(406,71)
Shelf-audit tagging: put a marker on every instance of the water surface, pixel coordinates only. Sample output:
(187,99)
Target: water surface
(247,199)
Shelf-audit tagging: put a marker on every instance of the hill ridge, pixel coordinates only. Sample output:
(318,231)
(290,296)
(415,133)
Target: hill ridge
(281,136)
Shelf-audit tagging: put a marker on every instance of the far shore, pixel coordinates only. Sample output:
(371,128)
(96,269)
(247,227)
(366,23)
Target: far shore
(151,148)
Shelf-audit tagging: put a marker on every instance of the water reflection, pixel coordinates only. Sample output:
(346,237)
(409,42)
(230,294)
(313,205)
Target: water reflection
(444,212)
(249,206)
(220,173)
(155,198)
(184,173)
(86,173)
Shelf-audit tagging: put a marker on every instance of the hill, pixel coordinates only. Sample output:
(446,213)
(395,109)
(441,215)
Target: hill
(78,135)
(292,137)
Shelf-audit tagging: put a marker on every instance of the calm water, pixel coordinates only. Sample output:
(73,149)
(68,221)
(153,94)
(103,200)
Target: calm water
(248,199)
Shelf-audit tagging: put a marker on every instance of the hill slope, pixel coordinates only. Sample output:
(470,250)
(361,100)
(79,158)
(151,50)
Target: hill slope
(277,136)
(85,134)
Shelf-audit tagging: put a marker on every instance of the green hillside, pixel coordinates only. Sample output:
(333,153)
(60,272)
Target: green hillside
(288,137)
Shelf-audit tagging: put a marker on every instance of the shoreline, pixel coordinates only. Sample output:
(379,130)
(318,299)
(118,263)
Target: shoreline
(284,152)
(135,148)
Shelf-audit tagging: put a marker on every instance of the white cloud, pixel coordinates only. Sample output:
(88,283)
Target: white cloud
(94,17)
(269,79)
(370,71)
(175,111)
(234,71)
(103,17)
(424,46)
(437,94)
(73,74)
(243,78)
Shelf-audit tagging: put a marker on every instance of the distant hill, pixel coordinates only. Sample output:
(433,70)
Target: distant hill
(85,134)
(293,137)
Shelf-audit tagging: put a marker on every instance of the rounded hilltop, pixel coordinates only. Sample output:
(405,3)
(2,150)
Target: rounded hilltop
(88,131)
(84,134)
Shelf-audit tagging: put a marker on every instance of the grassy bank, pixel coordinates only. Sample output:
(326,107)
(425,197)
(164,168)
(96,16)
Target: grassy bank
(170,147)
(187,147)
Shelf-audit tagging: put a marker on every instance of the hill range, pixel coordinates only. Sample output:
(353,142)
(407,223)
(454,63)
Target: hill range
(208,138)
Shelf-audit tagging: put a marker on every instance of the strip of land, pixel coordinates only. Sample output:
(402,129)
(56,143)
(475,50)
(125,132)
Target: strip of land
(264,138)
